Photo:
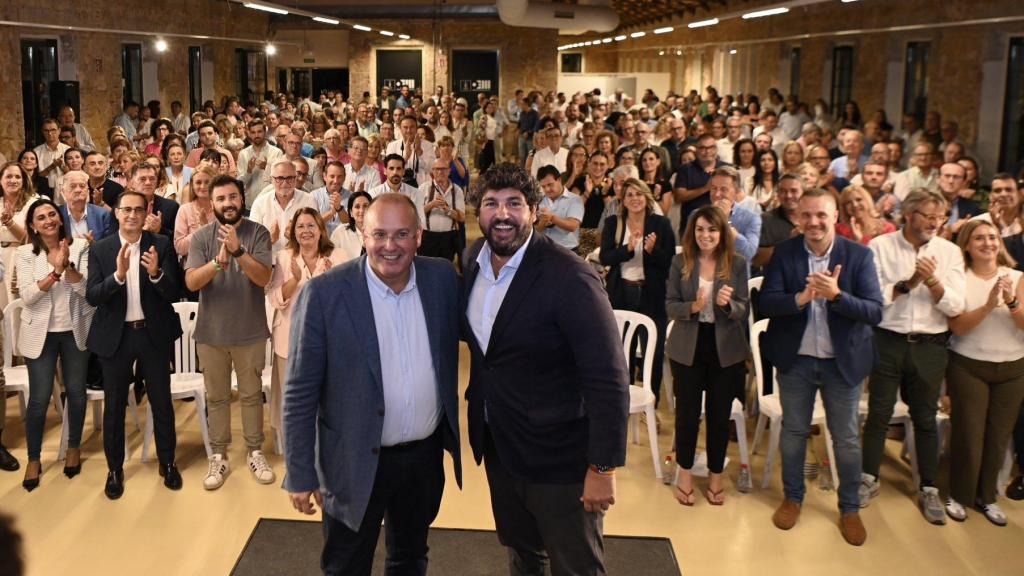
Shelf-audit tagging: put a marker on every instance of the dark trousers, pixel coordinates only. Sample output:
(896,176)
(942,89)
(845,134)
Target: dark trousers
(439,244)
(538,522)
(634,299)
(718,384)
(118,373)
(406,496)
(916,371)
(485,158)
(1018,440)
(985,400)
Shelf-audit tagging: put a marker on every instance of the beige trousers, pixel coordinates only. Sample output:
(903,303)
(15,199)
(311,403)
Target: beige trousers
(248,362)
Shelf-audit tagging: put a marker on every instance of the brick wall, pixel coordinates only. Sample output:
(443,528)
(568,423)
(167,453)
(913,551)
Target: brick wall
(94,58)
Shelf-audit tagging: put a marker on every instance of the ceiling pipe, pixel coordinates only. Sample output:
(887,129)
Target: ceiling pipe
(567,18)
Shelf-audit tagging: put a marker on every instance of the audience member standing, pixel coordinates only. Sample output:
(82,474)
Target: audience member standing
(707,300)
(986,372)
(133,281)
(18,196)
(229,264)
(821,294)
(54,323)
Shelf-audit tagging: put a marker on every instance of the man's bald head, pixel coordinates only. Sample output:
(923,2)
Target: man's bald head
(392,201)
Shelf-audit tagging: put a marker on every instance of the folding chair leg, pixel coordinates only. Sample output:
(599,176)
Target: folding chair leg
(652,437)
(758,431)
(204,428)
(774,436)
(22,404)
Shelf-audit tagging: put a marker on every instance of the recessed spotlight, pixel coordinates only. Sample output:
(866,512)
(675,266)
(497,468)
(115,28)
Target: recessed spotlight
(161,46)
(386,33)
(661,52)
(733,51)
(271,49)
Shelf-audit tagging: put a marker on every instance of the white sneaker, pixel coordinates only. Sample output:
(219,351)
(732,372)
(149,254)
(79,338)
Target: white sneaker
(869,488)
(993,513)
(216,472)
(261,469)
(955,510)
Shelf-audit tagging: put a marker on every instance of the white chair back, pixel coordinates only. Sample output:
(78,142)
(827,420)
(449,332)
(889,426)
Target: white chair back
(752,285)
(756,330)
(12,330)
(185,358)
(628,323)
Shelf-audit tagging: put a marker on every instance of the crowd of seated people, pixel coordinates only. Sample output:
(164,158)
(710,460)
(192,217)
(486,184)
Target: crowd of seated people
(891,238)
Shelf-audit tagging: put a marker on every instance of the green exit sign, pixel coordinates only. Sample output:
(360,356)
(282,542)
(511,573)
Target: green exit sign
(309,60)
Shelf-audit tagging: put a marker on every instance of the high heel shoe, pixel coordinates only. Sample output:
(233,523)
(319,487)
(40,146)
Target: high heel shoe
(73,455)
(31,483)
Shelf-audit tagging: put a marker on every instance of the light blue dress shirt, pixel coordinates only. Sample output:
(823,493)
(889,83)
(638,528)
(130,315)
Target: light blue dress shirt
(567,205)
(817,339)
(323,204)
(412,408)
(488,292)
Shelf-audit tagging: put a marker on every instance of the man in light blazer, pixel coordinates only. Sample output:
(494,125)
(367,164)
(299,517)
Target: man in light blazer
(371,400)
(84,220)
(822,295)
(133,282)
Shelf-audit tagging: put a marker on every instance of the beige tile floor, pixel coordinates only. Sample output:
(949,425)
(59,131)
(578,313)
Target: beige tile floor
(71,528)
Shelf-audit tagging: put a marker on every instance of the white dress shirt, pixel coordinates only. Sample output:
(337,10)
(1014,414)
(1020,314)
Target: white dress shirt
(545,157)
(439,220)
(412,408)
(266,210)
(368,177)
(421,164)
(817,337)
(488,292)
(407,191)
(917,312)
(45,157)
(134,311)
(255,180)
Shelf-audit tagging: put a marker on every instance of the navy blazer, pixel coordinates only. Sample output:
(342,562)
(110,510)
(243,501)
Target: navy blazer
(849,320)
(333,412)
(111,298)
(99,220)
(554,378)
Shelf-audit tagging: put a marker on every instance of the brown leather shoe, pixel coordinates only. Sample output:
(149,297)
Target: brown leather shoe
(787,514)
(852,528)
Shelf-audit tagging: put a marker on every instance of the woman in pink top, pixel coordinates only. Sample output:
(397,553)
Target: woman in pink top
(308,253)
(195,213)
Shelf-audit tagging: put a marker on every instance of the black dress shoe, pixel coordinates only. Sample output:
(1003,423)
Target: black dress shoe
(7,460)
(115,484)
(1015,491)
(30,484)
(172,478)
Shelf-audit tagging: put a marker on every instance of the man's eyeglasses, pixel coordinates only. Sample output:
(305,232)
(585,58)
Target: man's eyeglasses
(129,210)
(283,179)
(933,218)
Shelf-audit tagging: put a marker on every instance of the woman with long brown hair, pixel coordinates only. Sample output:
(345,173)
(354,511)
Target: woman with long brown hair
(707,300)
(308,253)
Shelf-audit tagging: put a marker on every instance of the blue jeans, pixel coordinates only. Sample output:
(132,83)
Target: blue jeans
(41,371)
(797,389)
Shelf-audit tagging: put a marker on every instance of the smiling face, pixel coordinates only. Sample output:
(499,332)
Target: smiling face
(817,215)
(306,231)
(634,200)
(983,245)
(391,235)
(505,220)
(45,221)
(227,202)
(1004,194)
(925,222)
(706,235)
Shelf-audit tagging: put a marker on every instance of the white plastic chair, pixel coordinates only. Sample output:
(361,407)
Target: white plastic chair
(16,376)
(666,372)
(641,398)
(771,410)
(95,397)
(186,381)
(753,284)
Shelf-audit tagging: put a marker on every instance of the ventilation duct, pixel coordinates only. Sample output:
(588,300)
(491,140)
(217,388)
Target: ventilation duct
(567,18)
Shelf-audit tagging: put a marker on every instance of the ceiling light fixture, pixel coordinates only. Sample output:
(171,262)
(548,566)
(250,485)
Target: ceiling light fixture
(161,46)
(264,8)
(271,49)
(703,23)
(620,38)
(663,30)
(733,51)
(326,20)
(363,28)
(638,34)
(386,33)
(403,36)
(606,41)
(661,52)
(768,12)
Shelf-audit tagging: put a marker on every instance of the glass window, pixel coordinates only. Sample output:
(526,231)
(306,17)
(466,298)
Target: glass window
(572,62)
(915,80)
(1011,153)
(842,77)
(131,73)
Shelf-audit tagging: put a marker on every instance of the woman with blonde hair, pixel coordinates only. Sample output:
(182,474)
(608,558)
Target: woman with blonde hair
(858,219)
(792,157)
(375,146)
(196,209)
(707,349)
(18,195)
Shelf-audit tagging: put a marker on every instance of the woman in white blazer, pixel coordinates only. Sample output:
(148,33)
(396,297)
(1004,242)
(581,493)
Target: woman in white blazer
(348,239)
(52,268)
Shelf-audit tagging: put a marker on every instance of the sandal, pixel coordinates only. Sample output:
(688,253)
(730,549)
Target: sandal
(714,498)
(683,497)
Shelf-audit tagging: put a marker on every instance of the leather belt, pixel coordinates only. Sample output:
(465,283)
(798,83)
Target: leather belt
(918,338)
(632,282)
(136,324)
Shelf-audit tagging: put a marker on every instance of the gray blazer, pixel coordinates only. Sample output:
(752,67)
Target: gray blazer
(333,412)
(730,325)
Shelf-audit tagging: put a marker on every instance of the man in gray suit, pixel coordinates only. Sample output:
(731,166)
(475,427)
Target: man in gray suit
(371,396)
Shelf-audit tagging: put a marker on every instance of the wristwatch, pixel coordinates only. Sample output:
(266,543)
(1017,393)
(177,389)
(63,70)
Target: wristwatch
(238,253)
(902,287)
(602,469)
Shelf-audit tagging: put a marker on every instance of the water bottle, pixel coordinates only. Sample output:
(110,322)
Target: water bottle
(668,470)
(825,476)
(745,484)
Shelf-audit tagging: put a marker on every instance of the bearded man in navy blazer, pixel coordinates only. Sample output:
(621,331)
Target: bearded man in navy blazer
(821,293)
(371,400)
(548,390)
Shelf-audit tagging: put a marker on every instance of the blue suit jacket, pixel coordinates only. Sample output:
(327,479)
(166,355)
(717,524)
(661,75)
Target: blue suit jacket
(99,221)
(333,412)
(849,321)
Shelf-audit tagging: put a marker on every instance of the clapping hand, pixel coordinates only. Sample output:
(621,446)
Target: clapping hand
(649,242)
(123,261)
(1006,288)
(724,296)
(825,284)
(229,237)
(634,239)
(153,222)
(924,269)
(700,302)
(151,261)
(295,269)
(59,258)
(275,231)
